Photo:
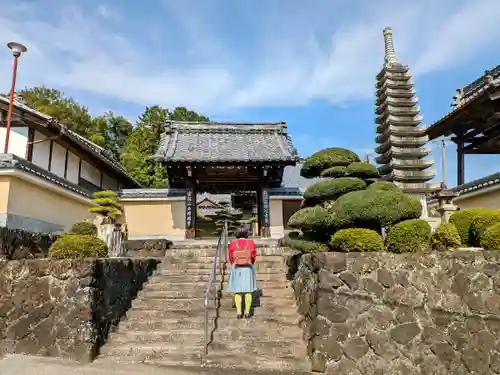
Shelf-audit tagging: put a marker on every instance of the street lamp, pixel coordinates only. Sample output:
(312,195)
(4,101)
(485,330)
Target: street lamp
(17,49)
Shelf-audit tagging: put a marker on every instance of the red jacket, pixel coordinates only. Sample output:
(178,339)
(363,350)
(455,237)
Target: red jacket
(241,243)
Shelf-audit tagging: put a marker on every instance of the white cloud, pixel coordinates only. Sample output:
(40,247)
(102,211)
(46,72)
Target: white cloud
(256,54)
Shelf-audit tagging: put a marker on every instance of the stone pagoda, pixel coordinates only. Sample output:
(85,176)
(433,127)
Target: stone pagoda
(401,139)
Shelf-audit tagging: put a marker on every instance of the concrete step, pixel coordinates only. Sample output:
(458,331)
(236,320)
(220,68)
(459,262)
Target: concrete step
(188,323)
(155,319)
(145,350)
(262,362)
(153,361)
(179,335)
(163,349)
(187,277)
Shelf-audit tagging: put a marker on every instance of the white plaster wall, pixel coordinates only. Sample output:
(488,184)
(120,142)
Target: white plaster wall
(41,151)
(109,183)
(276,218)
(17,141)
(90,173)
(72,171)
(58,159)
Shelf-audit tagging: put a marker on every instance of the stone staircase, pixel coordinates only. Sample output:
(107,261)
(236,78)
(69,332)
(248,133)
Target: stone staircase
(165,325)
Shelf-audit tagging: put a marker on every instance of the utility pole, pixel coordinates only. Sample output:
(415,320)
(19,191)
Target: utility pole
(443,161)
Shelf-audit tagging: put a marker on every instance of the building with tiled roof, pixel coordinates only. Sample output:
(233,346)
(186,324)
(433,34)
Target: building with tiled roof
(49,173)
(473,123)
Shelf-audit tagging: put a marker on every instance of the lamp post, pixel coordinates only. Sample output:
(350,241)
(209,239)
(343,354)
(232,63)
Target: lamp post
(17,49)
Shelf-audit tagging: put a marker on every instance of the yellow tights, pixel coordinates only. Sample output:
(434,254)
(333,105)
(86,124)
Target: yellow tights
(238,301)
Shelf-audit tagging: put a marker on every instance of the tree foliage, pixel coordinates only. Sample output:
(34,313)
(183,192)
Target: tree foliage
(132,146)
(107,204)
(144,140)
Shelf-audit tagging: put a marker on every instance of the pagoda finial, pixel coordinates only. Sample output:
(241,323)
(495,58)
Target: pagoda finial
(390,54)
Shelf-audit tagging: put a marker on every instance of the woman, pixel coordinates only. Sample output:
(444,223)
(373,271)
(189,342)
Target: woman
(242,254)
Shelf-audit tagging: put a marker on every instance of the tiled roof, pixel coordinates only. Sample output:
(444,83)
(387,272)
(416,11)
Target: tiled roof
(481,183)
(470,93)
(225,142)
(91,147)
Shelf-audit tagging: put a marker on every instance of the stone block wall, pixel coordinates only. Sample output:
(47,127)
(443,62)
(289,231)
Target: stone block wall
(65,308)
(383,313)
(148,248)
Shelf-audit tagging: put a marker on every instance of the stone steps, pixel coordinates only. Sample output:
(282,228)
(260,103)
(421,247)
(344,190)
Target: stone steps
(165,324)
(186,277)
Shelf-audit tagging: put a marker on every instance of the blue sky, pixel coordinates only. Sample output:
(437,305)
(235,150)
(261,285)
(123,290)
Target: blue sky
(309,63)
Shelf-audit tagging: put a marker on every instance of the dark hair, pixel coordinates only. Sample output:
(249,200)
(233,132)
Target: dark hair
(242,231)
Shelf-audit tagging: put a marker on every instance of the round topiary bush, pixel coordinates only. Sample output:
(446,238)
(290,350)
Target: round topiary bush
(409,236)
(491,238)
(70,246)
(311,220)
(356,239)
(327,158)
(446,237)
(480,222)
(362,170)
(328,190)
(301,242)
(463,220)
(373,209)
(334,172)
(384,186)
(84,227)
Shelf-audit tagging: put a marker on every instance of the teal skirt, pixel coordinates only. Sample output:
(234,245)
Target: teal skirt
(242,280)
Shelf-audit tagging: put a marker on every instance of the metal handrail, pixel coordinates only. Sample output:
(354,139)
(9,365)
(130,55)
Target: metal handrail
(222,244)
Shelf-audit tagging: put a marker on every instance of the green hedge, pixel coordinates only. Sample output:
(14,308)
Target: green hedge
(362,170)
(314,220)
(463,220)
(84,227)
(356,239)
(297,241)
(334,172)
(480,223)
(373,209)
(329,190)
(446,237)
(491,238)
(327,158)
(409,236)
(70,246)
(384,186)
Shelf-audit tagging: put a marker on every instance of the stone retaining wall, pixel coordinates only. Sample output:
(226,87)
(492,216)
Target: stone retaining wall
(65,308)
(383,313)
(148,248)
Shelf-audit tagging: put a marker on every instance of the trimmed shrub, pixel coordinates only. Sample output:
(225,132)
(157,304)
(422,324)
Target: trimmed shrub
(327,190)
(446,237)
(301,242)
(491,238)
(327,158)
(311,220)
(70,246)
(409,236)
(356,239)
(463,220)
(384,186)
(334,172)
(373,209)
(362,170)
(84,227)
(480,223)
